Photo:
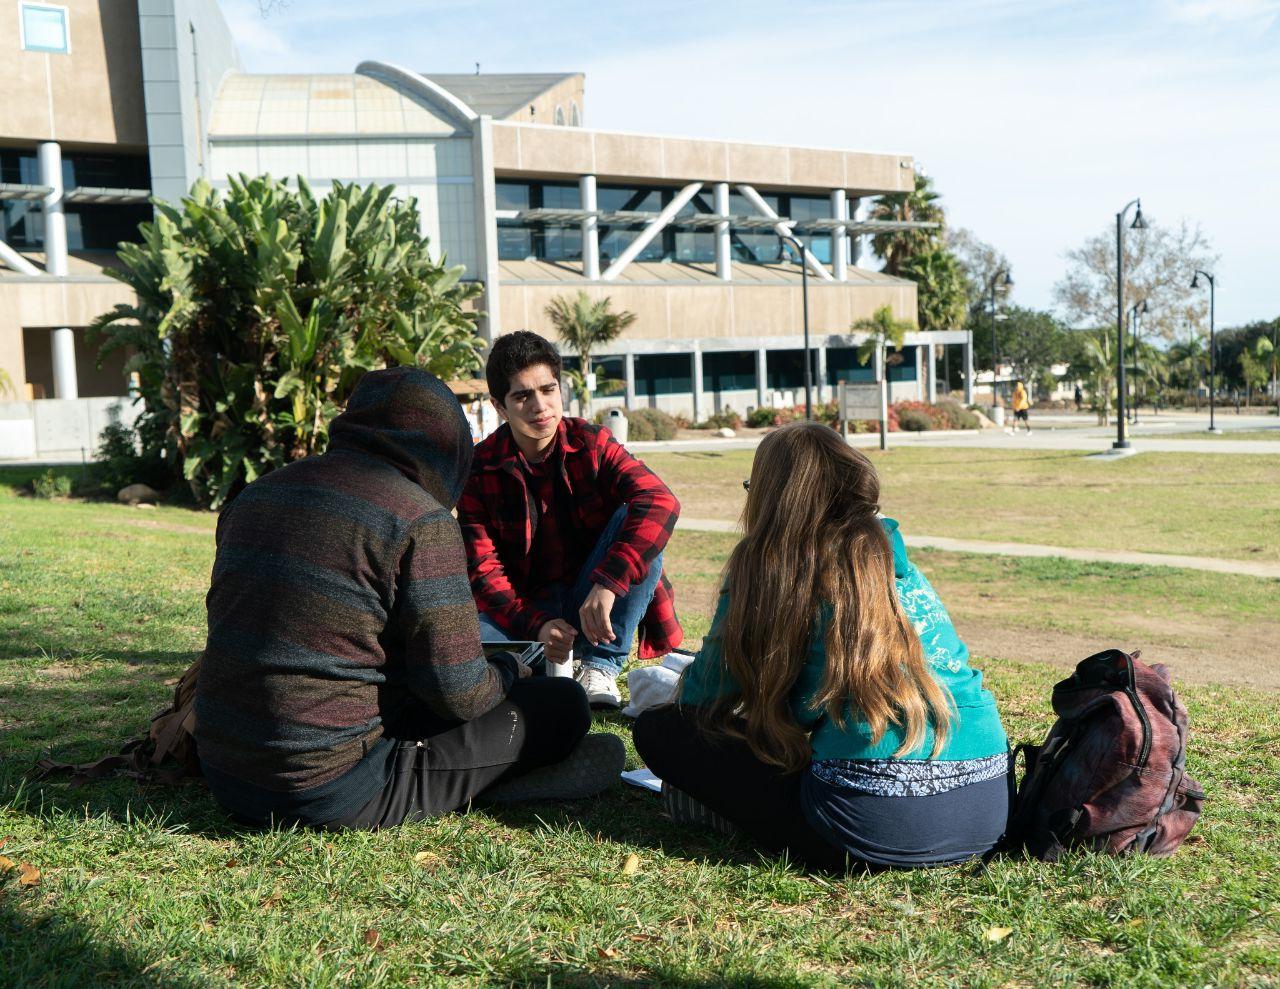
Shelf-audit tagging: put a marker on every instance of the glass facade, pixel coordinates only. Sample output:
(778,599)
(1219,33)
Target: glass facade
(729,370)
(89,226)
(664,374)
(562,240)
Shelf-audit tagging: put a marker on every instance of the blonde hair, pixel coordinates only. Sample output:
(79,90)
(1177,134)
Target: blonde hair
(813,539)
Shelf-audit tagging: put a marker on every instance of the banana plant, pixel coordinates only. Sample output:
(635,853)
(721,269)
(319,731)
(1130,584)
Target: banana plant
(258,309)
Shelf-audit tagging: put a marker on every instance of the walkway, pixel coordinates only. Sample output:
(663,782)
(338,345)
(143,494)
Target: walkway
(991,548)
(1050,432)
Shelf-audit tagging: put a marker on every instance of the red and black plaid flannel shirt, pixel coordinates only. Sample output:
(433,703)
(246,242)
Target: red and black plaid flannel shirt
(498,526)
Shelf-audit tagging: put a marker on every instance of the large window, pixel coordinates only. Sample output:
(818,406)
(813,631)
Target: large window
(89,226)
(729,370)
(44,28)
(562,240)
(518,240)
(664,374)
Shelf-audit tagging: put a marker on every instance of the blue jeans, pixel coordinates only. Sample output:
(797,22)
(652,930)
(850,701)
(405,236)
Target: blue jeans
(562,600)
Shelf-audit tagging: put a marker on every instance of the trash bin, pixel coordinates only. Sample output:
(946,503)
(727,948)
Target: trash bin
(997,414)
(616,420)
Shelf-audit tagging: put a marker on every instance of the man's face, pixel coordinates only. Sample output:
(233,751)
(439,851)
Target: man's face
(533,405)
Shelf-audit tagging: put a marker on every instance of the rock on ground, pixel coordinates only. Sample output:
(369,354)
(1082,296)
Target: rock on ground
(135,494)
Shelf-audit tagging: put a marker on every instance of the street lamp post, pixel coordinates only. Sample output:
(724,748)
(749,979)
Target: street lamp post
(1195,283)
(995,363)
(804,293)
(1137,310)
(1122,441)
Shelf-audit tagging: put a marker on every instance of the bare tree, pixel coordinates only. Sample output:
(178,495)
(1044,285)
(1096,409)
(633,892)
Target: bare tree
(980,263)
(268,7)
(1158,264)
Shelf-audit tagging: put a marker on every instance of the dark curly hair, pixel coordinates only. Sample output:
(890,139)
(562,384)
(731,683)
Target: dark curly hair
(511,353)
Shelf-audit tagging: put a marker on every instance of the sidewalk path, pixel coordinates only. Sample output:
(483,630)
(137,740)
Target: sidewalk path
(991,548)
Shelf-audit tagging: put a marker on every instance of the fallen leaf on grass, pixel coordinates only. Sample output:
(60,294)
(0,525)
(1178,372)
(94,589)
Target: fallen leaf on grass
(3,842)
(233,863)
(632,865)
(997,934)
(607,952)
(7,863)
(373,939)
(428,860)
(29,874)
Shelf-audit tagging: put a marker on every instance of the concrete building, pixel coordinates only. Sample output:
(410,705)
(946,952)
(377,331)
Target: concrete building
(115,100)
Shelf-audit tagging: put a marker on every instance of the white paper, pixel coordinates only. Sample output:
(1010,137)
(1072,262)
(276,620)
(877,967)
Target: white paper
(643,778)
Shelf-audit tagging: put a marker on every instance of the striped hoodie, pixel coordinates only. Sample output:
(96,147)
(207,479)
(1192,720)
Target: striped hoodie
(340,614)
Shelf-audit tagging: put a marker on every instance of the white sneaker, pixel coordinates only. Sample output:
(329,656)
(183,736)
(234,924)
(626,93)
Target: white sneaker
(601,688)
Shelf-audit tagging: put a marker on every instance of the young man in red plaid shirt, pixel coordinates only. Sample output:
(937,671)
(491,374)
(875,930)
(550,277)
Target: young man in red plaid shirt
(564,528)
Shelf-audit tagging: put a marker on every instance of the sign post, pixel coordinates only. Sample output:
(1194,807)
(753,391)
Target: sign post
(865,400)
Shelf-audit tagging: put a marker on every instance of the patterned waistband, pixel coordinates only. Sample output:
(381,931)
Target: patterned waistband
(909,777)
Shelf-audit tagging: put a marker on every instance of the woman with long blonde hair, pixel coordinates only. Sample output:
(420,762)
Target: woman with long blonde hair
(832,711)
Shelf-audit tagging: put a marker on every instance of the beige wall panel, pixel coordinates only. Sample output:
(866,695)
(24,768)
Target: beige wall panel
(11,359)
(701,312)
(829,309)
(506,148)
(96,90)
(818,169)
(627,154)
(766,311)
(758,164)
(695,160)
(555,149)
(875,173)
(544,107)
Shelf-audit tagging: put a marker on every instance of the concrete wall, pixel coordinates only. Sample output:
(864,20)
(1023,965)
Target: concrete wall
(186,51)
(683,312)
(58,429)
(38,302)
(544,107)
(547,151)
(93,95)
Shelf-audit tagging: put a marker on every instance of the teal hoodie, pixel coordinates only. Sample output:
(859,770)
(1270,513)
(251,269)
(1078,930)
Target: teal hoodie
(976,731)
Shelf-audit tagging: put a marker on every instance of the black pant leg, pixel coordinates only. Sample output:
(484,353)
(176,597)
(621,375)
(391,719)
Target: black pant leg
(541,721)
(762,800)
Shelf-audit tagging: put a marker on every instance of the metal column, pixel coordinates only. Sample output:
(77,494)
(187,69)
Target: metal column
(839,241)
(822,372)
(63,342)
(590,229)
(762,377)
(629,374)
(698,410)
(931,359)
(724,250)
(968,369)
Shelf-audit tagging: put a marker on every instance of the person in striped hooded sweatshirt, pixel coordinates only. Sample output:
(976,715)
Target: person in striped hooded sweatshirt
(343,682)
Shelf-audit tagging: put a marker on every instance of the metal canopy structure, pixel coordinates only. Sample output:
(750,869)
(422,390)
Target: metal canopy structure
(737,221)
(21,192)
(102,196)
(81,194)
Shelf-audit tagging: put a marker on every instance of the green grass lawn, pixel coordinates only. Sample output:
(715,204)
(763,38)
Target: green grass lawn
(1270,433)
(101,607)
(1156,502)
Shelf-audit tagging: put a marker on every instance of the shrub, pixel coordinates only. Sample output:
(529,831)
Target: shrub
(51,485)
(119,462)
(726,418)
(956,415)
(654,422)
(761,417)
(914,420)
(259,309)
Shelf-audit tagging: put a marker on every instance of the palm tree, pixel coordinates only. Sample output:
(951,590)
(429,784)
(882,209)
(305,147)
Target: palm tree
(942,297)
(919,205)
(584,325)
(883,328)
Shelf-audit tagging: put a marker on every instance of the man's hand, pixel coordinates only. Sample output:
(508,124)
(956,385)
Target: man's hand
(594,614)
(557,637)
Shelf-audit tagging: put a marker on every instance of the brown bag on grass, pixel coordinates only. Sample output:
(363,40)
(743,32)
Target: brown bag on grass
(166,754)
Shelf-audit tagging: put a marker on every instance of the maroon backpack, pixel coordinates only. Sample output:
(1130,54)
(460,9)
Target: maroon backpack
(1111,775)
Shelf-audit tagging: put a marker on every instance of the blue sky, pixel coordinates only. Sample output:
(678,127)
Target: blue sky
(1037,120)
